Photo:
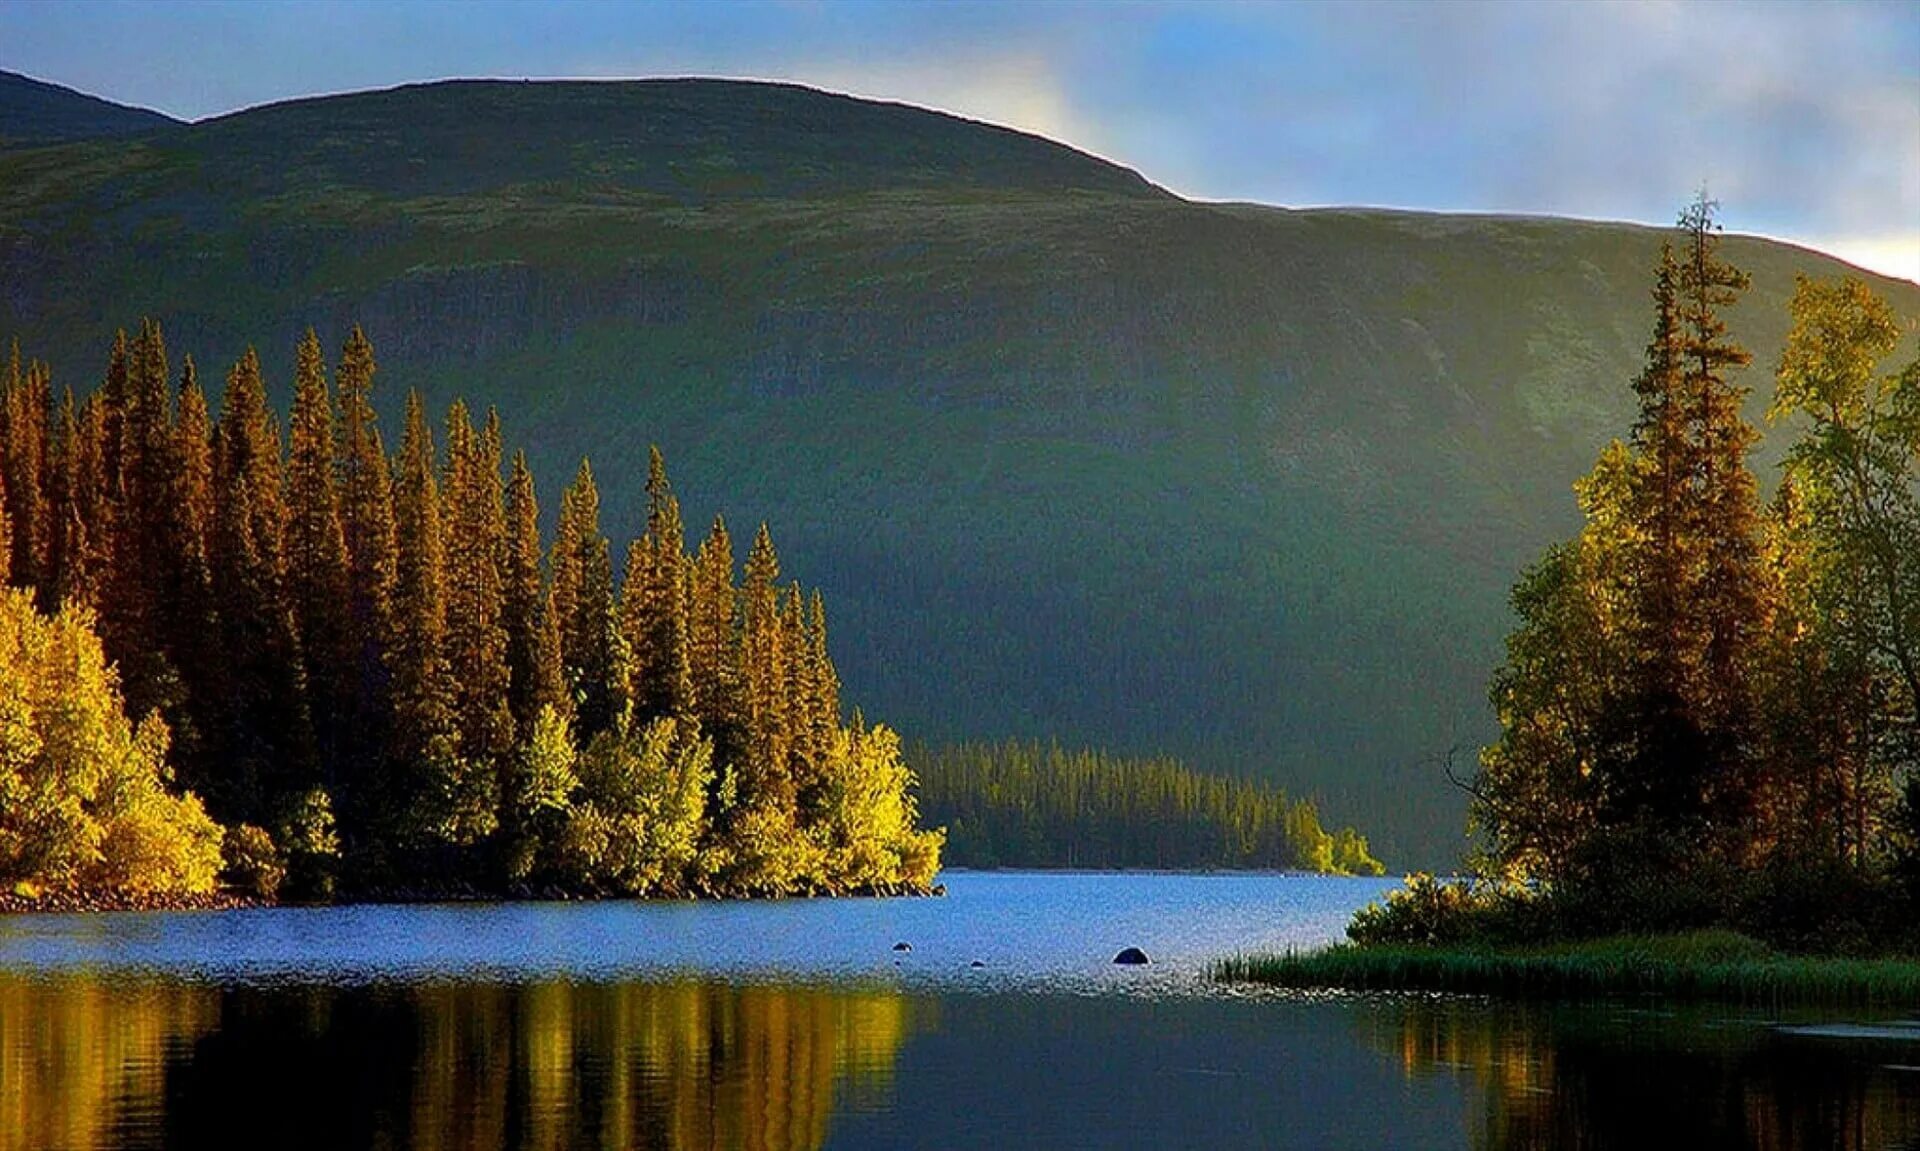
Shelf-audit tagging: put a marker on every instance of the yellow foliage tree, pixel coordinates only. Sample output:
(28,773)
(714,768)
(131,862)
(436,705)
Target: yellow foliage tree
(84,801)
(867,818)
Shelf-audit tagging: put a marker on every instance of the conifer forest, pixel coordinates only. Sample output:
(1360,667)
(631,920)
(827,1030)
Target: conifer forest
(305,665)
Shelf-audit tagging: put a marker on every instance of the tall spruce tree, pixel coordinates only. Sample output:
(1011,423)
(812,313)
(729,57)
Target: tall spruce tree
(192,619)
(476,592)
(654,606)
(267,737)
(367,533)
(426,772)
(712,657)
(590,645)
(766,781)
(26,414)
(316,549)
(1730,599)
(533,677)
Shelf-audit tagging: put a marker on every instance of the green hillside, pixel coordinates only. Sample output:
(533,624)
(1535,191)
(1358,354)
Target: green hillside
(1070,456)
(34,112)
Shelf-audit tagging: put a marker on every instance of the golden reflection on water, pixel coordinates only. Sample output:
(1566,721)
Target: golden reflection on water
(1582,1078)
(80,1058)
(83,1062)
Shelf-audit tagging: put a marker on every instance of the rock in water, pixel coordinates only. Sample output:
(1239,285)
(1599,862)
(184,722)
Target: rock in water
(903,946)
(1132,957)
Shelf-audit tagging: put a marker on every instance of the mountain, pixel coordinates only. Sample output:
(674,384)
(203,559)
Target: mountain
(1070,455)
(33,113)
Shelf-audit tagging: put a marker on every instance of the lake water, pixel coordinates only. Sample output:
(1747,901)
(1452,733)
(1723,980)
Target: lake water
(796,1025)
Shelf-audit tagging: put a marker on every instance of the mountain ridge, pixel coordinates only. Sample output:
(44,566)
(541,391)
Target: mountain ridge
(37,112)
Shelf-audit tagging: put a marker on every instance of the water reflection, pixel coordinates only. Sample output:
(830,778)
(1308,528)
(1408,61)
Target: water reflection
(90,1062)
(1587,1077)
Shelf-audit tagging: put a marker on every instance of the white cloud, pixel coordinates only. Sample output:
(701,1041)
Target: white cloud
(1894,254)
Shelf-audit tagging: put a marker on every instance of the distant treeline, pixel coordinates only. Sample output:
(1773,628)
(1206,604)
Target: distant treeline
(1037,805)
(373,670)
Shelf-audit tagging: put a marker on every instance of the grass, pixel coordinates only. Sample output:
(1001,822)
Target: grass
(1720,966)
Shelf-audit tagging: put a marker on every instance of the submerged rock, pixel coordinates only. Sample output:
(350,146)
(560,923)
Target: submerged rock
(1132,957)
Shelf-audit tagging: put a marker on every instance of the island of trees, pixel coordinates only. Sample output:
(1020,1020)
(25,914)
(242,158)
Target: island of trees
(1709,745)
(1033,805)
(304,666)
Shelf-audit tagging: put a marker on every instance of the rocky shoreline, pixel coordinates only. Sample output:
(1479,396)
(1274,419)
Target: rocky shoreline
(81,902)
(71,902)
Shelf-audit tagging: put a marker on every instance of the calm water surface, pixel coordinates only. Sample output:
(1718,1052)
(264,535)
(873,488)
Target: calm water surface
(796,1025)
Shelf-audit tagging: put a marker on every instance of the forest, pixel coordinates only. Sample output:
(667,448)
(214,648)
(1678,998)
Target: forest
(1707,708)
(304,667)
(1036,805)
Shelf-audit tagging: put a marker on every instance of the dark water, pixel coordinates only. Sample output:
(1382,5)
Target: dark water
(795,1025)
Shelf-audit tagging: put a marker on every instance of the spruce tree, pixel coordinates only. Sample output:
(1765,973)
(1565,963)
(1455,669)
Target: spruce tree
(316,554)
(426,770)
(712,641)
(1729,598)
(583,598)
(25,412)
(534,678)
(766,782)
(133,622)
(476,544)
(367,533)
(268,736)
(662,627)
(192,620)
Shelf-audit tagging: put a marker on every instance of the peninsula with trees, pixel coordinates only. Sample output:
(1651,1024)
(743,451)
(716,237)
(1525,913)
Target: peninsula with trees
(309,669)
(1706,765)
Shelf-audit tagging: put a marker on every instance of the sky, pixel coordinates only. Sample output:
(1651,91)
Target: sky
(1803,120)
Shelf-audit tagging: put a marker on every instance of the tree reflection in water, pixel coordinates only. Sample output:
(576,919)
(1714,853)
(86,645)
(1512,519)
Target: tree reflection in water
(96,1062)
(1599,1076)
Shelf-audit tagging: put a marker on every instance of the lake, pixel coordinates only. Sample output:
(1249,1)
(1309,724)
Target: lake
(797,1025)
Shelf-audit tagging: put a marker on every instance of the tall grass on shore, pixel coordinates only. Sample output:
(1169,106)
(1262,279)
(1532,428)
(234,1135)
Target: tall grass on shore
(1720,966)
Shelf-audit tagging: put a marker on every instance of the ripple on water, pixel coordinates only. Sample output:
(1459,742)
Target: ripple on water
(1026,931)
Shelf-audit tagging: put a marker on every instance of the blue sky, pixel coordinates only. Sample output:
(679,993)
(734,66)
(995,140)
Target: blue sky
(1803,119)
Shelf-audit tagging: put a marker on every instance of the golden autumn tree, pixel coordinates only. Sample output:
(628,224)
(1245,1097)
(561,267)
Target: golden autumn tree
(84,800)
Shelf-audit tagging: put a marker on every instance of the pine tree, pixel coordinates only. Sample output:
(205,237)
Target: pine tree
(583,598)
(316,555)
(24,468)
(133,608)
(90,530)
(822,707)
(192,621)
(476,544)
(1729,599)
(367,533)
(712,660)
(63,508)
(426,771)
(533,676)
(268,736)
(766,782)
(654,607)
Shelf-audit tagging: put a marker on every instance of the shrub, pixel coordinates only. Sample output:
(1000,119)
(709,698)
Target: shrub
(312,846)
(1430,911)
(84,799)
(252,863)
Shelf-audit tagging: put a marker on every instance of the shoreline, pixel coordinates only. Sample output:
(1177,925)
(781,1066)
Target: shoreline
(84,903)
(113,903)
(1699,967)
